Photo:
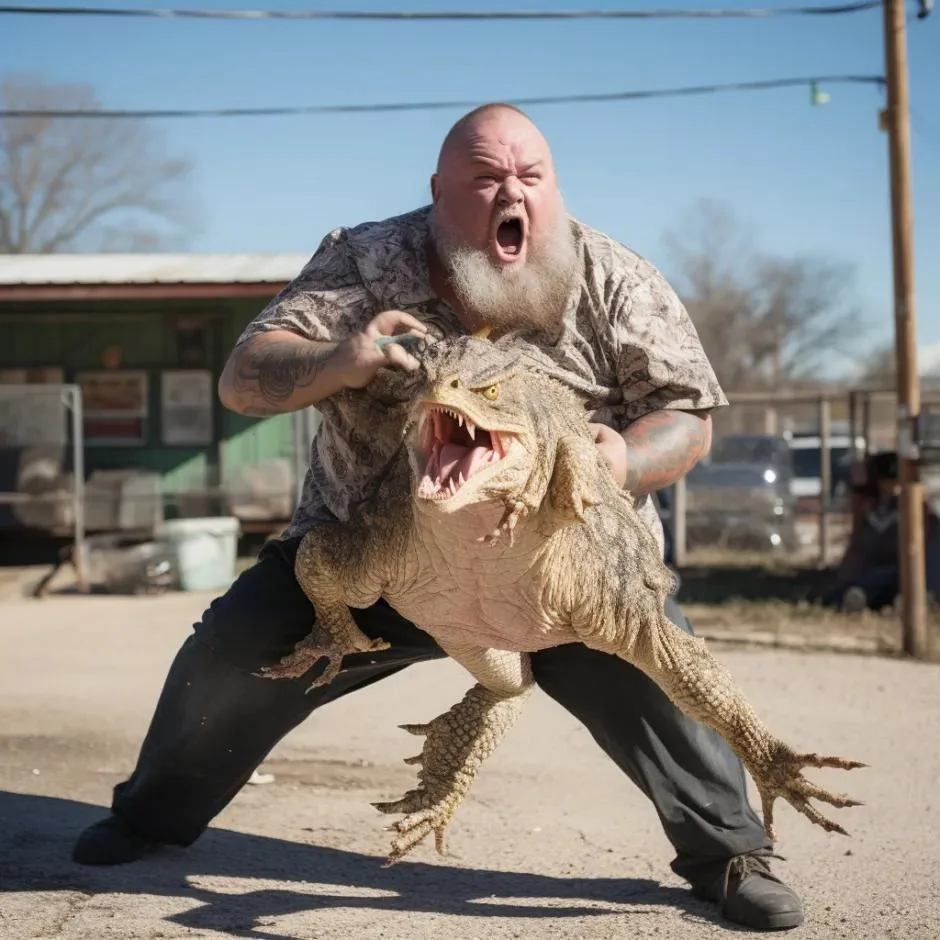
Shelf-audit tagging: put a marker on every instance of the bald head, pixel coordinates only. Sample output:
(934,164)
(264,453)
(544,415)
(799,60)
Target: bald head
(469,126)
(498,211)
(494,165)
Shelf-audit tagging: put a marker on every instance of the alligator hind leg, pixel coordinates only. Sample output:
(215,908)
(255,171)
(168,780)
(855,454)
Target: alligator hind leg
(457,743)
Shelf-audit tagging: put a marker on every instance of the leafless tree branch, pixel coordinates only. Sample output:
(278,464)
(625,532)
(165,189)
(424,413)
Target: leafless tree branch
(765,321)
(84,185)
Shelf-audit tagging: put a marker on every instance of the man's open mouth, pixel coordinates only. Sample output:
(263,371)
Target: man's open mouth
(510,236)
(456,449)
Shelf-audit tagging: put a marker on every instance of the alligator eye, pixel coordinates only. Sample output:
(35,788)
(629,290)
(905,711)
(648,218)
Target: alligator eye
(491,393)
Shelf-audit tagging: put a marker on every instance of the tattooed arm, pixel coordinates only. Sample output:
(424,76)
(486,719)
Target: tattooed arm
(276,372)
(657,449)
(664,446)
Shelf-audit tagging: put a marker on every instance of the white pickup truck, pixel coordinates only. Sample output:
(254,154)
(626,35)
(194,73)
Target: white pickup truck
(806,449)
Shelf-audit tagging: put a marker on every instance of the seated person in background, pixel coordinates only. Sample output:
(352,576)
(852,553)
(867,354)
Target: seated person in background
(868,577)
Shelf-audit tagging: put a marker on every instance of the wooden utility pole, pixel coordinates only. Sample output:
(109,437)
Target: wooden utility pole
(911,528)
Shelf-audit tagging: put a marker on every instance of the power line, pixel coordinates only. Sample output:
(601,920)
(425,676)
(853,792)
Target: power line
(443,105)
(858,6)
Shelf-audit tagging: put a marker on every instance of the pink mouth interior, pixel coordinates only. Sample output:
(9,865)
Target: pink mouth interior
(509,236)
(453,455)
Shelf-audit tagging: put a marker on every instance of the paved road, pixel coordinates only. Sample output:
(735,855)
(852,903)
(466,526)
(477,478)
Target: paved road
(553,843)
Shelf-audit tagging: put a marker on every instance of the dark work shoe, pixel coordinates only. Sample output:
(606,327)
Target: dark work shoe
(749,893)
(110,842)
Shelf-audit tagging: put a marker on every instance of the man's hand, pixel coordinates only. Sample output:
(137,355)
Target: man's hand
(359,358)
(279,372)
(614,448)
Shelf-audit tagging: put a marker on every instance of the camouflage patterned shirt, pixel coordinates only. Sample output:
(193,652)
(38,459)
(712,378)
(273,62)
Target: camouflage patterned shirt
(627,344)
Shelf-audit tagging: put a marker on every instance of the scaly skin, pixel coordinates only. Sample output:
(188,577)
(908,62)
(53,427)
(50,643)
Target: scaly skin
(549,519)
(457,743)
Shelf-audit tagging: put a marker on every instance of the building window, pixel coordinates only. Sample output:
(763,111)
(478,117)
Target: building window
(192,344)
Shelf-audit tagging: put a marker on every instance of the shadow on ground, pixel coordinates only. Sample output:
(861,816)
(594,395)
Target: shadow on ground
(38,833)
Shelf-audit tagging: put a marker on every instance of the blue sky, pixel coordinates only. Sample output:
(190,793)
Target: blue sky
(805,180)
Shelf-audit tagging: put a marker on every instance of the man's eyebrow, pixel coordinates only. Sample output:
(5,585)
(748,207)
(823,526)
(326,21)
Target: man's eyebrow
(491,163)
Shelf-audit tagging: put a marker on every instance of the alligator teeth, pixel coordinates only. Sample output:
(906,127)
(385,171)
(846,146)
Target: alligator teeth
(459,417)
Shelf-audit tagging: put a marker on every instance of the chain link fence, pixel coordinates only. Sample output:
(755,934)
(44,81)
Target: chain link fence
(43,435)
(767,485)
(42,461)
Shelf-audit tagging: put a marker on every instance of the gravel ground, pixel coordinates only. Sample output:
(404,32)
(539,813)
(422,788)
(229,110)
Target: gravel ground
(554,841)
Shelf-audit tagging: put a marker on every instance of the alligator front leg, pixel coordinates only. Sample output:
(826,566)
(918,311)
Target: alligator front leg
(457,743)
(697,683)
(335,634)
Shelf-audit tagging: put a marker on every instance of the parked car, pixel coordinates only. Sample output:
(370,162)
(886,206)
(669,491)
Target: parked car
(741,497)
(806,449)
(771,450)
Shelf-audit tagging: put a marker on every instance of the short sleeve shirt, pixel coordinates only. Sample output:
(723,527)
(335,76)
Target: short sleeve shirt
(627,345)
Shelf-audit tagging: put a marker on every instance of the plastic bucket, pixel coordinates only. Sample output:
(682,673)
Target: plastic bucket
(205,550)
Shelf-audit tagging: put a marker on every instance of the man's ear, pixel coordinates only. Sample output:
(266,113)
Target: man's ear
(435,188)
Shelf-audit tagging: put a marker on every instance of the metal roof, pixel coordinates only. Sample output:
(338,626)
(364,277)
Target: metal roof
(149,268)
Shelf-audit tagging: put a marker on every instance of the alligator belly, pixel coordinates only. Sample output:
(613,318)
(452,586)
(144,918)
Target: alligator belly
(496,616)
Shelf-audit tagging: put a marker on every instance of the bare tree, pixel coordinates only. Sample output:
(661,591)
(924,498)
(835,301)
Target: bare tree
(765,321)
(86,184)
(710,258)
(879,367)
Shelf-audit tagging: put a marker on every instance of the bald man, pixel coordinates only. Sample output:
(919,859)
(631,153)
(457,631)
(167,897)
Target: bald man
(495,246)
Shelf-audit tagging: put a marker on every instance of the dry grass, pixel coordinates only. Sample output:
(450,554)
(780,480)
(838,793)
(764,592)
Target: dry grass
(727,595)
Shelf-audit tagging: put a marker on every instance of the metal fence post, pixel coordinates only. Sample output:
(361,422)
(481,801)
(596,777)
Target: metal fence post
(80,547)
(825,478)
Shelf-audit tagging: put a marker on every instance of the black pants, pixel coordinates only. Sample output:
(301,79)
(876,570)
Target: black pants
(215,722)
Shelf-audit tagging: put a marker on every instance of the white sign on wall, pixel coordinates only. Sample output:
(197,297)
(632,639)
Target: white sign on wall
(186,406)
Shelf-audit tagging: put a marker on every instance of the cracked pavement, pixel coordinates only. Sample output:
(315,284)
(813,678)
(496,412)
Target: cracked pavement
(553,841)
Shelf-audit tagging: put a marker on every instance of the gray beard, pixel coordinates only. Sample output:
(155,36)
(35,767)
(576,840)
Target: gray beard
(533,295)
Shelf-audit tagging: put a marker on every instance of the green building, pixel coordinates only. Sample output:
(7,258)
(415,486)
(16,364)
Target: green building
(145,337)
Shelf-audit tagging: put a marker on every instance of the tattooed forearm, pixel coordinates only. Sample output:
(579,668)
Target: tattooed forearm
(664,446)
(269,375)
